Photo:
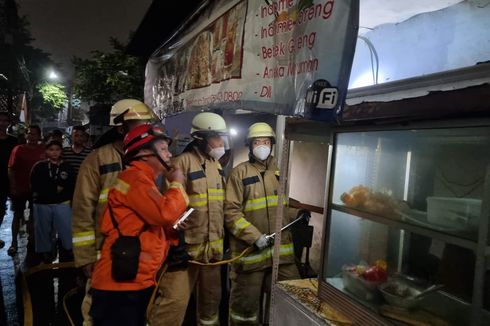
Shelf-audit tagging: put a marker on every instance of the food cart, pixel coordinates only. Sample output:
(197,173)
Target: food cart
(410,183)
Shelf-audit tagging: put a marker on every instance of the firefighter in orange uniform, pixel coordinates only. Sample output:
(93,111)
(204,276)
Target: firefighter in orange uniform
(97,174)
(121,287)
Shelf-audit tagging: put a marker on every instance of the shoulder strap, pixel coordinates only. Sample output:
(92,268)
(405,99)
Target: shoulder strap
(145,226)
(113,219)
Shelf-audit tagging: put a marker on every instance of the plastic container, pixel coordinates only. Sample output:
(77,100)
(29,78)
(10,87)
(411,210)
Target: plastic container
(457,213)
(361,288)
(401,294)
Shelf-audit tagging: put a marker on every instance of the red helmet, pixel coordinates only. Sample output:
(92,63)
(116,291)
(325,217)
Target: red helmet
(142,137)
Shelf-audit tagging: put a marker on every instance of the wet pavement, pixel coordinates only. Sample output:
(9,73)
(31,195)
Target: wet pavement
(46,286)
(8,267)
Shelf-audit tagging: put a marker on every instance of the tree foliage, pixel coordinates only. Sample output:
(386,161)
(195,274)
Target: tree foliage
(27,62)
(53,94)
(107,77)
(25,65)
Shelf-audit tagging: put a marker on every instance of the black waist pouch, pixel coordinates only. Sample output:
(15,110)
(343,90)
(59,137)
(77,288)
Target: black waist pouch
(177,256)
(125,254)
(125,258)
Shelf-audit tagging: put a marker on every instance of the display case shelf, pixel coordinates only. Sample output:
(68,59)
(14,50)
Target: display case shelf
(448,238)
(414,198)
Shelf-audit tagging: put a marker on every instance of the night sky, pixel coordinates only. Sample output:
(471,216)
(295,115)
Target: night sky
(66,28)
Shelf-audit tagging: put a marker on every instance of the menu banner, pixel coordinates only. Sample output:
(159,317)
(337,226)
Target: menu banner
(289,57)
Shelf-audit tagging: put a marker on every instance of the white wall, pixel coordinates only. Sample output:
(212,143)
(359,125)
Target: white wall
(308,166)
(451,38)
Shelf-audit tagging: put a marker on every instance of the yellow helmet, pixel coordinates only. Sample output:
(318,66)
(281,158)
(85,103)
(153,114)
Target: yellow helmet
(208,123)
(129,109)
(260,129)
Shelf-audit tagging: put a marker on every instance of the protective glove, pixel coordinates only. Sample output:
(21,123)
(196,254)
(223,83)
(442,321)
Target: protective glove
(263,242)
(306,215)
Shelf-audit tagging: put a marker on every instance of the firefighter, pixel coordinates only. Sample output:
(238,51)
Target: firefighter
(203,236)
(250,213)
(137,216)
(97,174)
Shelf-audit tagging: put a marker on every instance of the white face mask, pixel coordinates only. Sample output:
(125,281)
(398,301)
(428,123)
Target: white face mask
(261,152)
(217,152)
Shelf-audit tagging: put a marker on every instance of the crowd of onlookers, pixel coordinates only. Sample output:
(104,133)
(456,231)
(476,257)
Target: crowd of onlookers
(39,175)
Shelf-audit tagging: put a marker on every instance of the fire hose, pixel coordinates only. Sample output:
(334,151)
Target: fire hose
(247,250)
(270,240)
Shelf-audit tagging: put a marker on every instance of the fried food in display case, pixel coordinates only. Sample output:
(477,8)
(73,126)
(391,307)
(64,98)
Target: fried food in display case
(374,202)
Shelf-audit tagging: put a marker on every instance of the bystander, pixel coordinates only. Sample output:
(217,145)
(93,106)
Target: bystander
(22,159)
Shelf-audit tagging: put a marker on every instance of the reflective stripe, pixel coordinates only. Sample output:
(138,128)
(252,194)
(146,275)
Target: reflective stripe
(213,321)
(195,250)
(197,200)
(84,243)
(239,225)
(285,250)
(217,244)
(103,195)
(83,238)
(216,194)
(238,317)
(261,202)
(199,249)
(122,186)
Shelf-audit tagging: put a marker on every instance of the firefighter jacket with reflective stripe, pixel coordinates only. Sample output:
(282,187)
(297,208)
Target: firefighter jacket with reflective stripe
(250,211)
(205,185)
(97,174)
(138,205)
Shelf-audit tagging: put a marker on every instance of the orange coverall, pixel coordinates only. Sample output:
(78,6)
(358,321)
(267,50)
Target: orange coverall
(136,202)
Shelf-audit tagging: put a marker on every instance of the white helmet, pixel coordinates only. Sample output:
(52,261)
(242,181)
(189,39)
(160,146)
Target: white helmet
(207,124)
(129,109)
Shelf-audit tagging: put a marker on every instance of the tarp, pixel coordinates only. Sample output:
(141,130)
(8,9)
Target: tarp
(289,57)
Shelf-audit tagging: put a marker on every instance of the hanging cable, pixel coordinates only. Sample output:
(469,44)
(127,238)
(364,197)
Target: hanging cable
(373,53)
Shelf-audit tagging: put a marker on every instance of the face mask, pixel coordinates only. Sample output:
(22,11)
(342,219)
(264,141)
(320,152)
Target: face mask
(217,152)
(261,152)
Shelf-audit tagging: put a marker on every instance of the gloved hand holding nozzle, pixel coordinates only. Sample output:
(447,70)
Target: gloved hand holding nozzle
(264,241)
(267,240)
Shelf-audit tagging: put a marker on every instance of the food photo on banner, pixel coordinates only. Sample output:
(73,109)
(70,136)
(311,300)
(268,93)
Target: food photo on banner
(280,57)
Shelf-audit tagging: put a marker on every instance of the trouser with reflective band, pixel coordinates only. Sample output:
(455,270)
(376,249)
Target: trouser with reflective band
(86,304)
(247,289)
(87,301)
(174,292)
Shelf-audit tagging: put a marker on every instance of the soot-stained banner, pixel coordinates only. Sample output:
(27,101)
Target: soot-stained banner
(290,57)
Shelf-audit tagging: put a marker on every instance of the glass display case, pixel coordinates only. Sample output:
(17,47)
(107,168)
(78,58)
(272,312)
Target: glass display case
(408,210)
